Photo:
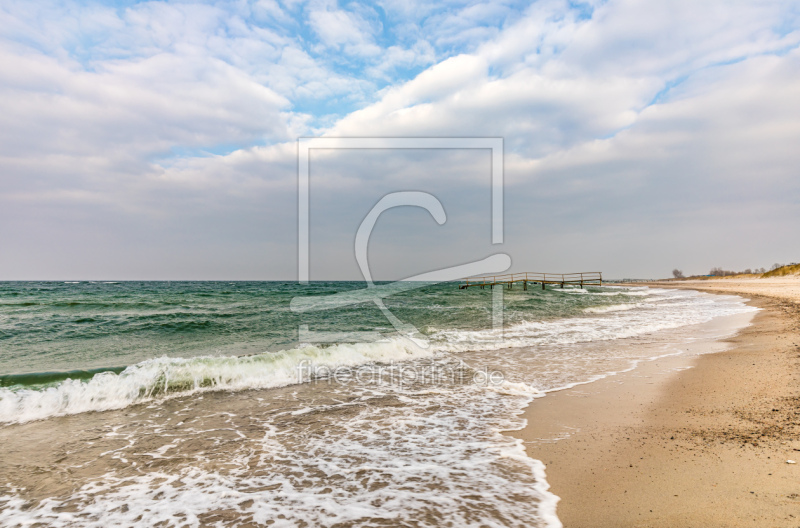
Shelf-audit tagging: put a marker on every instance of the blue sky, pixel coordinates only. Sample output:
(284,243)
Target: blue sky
(157,139)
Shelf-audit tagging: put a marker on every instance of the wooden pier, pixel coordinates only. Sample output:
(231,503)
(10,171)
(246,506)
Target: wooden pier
(579,279)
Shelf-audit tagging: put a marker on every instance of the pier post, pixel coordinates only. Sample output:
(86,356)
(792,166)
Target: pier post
(524,285)
(542,284)
(562,285)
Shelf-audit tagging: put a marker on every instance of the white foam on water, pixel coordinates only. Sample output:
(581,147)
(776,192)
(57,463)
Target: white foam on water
(165,377)
(612,308)
(437,460)
(577,291)
(664,309)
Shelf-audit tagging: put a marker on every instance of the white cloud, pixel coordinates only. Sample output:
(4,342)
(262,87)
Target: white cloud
(144,106)
(535,112)
(349,31)
(394,57)
(630,37)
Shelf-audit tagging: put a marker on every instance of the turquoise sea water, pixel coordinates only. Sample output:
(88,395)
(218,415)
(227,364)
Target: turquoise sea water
(53,330)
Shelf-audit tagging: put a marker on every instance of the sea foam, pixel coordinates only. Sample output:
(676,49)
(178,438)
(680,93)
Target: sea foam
(165,377)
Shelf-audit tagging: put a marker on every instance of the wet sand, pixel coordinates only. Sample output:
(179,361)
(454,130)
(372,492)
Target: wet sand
(694,440)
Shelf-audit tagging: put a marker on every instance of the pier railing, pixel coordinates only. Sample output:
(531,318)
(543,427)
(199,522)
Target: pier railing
(583,278)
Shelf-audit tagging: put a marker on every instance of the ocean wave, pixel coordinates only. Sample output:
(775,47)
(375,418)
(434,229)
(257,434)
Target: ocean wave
(611,308)
(673,310)
(583,291)
(169,377)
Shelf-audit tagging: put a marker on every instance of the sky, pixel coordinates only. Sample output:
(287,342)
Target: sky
(158,140)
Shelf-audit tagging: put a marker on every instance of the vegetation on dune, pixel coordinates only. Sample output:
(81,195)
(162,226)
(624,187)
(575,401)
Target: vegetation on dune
(777,270)
(789,269)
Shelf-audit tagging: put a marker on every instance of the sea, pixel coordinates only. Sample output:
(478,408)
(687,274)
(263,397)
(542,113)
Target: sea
(188,404)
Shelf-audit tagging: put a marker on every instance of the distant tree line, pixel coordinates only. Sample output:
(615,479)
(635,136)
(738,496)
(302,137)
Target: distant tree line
(720,272)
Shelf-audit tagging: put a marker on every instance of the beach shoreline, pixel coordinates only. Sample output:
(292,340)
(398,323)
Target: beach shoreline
(689,440)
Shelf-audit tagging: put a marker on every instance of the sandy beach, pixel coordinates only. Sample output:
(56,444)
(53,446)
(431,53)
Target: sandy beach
(693,440)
